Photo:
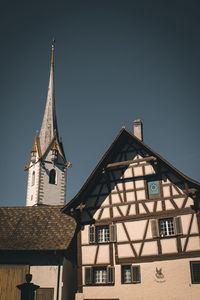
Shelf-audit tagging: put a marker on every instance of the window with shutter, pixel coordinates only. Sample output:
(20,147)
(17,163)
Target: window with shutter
(195,272)
(131,274)
(102,234)
(99,275)
(166,227)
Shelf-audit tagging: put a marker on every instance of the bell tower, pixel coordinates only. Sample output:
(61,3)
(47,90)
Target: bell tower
(47,165)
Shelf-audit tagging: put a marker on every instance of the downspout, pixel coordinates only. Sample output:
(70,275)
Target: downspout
(58,283)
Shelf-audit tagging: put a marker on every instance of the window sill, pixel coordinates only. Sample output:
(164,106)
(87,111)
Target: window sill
(130,282)
(169,236)
(99,284)
(101,243)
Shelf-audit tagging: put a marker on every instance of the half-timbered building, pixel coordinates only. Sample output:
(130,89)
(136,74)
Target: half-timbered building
(138,226)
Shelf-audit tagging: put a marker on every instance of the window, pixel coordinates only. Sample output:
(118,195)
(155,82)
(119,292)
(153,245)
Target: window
(99,275)
(131,274)
(195,272)
(166,227)
(52,176)
(102,234)
(153,189)
(33,178)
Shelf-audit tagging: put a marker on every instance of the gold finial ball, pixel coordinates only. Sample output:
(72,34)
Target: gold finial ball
(53,43)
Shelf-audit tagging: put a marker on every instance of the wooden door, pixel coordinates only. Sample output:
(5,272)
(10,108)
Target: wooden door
(10,276)
(44,294)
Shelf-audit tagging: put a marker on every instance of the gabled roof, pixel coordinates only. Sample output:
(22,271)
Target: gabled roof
(35,228)
(123,136)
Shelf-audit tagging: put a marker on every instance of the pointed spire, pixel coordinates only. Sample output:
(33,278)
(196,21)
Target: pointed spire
(49,123)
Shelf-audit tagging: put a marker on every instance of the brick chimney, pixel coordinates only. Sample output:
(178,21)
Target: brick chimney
(138,129)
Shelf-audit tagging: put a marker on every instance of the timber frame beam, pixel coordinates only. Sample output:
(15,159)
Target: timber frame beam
(128,162)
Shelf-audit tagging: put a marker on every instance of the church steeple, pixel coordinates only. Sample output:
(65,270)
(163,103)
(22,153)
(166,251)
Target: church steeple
(47,165)
(49,123)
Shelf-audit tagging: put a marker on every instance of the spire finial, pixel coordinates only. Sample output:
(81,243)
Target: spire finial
(52,47)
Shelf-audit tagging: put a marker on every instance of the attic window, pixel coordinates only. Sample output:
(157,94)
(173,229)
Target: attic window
(52,176)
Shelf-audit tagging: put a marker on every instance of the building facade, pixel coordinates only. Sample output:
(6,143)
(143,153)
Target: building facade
(138,226)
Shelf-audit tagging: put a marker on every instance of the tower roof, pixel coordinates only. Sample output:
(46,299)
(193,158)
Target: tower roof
(49,123)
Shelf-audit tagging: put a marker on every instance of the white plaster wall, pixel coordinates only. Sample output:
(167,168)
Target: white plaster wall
(176,284)
(88,254)
(52,194)
(46,277)
(32,190)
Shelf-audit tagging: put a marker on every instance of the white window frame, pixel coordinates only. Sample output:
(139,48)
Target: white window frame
(166,227)
(100,275)
(102,234)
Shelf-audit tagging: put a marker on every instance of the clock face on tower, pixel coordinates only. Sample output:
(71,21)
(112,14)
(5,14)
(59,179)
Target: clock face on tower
(153,187)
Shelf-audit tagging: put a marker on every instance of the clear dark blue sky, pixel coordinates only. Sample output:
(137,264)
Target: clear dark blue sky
(116,61)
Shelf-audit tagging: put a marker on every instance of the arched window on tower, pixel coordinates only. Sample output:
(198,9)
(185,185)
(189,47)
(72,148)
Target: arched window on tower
(52,176)
(33,178)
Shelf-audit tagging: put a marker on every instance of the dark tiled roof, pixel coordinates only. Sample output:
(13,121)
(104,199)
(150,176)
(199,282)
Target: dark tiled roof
(35,228)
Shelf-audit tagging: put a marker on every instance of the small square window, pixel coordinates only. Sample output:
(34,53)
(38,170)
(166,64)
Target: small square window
(195,271)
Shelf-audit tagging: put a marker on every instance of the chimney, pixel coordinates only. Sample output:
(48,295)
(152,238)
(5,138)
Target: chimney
(138,129)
